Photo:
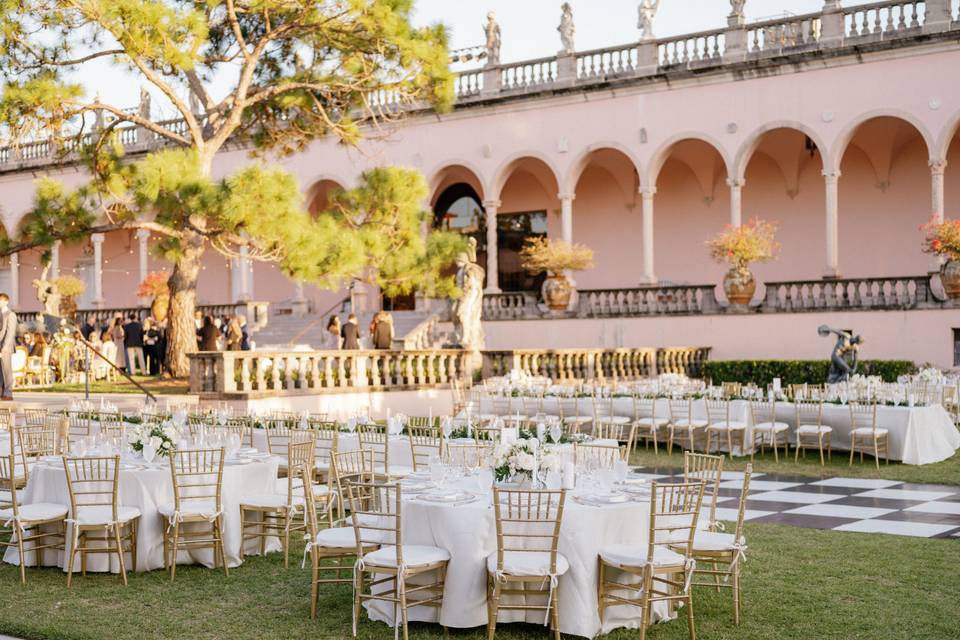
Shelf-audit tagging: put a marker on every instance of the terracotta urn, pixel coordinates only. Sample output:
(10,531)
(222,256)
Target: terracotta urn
(739,285)
(556,292)
(158,309)
(950,277)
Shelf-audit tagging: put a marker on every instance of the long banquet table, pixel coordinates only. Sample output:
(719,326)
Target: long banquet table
(918,435)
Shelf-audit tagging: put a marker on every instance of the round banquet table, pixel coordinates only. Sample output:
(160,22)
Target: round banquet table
(400,452)
(918,435)
(148,488)
(468,533)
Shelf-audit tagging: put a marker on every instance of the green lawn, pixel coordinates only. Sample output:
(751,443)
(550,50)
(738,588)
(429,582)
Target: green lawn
(798,584)
(156,385)
(946,472)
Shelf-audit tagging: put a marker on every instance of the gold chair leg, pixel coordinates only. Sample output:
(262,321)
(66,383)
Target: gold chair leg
(23,557)
(116,537)
(174,541)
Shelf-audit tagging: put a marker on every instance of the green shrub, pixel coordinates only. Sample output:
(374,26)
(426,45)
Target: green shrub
(762,372)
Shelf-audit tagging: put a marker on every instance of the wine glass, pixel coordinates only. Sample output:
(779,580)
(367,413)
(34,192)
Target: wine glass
(556,432)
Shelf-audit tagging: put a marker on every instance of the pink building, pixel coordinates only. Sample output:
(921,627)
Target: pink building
(841,126)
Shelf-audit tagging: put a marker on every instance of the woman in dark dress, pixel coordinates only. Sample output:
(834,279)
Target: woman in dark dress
(208,335)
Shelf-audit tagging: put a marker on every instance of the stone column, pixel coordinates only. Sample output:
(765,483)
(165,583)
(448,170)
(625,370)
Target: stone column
(831,25)
(937,167)
(736,45)
(493,279)
(243,264)
(937,16)
(566,216)
(143,237)
(831,179)
(55,260)
(736,191)
(97,240)
(14,279)
(647,193)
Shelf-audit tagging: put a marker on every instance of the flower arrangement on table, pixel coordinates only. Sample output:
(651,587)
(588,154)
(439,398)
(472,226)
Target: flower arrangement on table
(158,438)
(931,375)
(524,460)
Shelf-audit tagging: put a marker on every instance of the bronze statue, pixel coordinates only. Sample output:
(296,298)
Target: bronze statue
(843,359)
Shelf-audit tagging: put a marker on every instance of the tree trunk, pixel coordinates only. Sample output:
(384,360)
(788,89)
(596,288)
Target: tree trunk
(181,331)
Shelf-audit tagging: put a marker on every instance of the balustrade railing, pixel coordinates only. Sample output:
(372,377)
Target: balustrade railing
(509,306)
(593,364)
(849,294)
(706,46)
(881,20)
(468,83)
(601,64)
(279,373)
(255,312)
(776,36)
(530,74)
(695,299)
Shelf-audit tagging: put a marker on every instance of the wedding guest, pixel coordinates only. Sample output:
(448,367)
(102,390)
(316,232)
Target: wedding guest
(245,340)
(208,335)
(8,344)
(333,333)
(351,333)
(234,339)
(116,335)
(133,345)
(198,323)
(382,334)
(89,328)
(151,346)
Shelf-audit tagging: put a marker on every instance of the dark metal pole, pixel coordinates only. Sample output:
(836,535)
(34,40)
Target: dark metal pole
(86,375)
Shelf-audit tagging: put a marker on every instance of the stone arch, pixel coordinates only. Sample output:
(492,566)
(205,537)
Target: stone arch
(663,152)
(452,172)
(842,142)
(318,194)
(544,170)
(749,146)
(569,183)
(946,136)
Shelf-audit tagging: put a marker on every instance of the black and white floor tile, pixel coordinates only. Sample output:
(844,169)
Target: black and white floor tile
(841,504)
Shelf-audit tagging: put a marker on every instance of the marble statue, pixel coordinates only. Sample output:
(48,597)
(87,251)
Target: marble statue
(566,29)
(492,32)
(736,8)
(466,310)
(843,359)
(47,293)
(647,11)
(143,110)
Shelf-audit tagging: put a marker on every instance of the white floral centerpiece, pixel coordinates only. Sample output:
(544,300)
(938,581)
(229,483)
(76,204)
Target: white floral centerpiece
(931,375)
(156,438)
(524,460)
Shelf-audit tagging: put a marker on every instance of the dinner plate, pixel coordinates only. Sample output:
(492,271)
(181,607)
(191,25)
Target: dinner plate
(415,486)
(447,496)
(612,497)
(233,462)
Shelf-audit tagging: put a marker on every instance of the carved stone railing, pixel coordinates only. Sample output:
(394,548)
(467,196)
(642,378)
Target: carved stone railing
(848,294)
(255,312)
(250,374)
(834,29)
(591,364)
(647,301)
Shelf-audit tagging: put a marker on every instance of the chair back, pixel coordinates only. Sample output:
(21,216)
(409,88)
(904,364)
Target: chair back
(731,389)
(300,460)
(356,465)
(35,417)
(708,469)
(239,427)
(467,455)
(14,474)
(863,415)
(645,407)
(681,409)
(326,438)
(569,407)
(423,421)
(278,437)
(80,424)
(595,456)
(38,441)
(623,433)
(112,426)
(602,407)
(528,521)
(763,411)
(6,418)
(718,411)
(809,412)
(674,511)
(375,439)
(375,514)
(425,442)
(197,476)
(92,483)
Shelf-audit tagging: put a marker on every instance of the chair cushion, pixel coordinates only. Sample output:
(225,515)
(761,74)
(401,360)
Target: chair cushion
(724,425)
(771,426)
(274,500)
(812,428)
(649,422)
(337,538)
(613,419)
(521,563)
(636,556)
(684,423)
(104,515)
(414,555)
(578,419)
(868,431)
(399,471)
(190,508)
(36,512)
(713,541)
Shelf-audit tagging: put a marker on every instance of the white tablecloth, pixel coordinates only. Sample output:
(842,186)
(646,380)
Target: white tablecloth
(468,532)
(918,435)
(147,490)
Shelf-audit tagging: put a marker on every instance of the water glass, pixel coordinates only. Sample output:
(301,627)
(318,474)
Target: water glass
(620,470)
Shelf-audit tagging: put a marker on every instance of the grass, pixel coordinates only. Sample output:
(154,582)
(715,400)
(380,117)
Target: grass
(156,385)
(945,472)
(798,584)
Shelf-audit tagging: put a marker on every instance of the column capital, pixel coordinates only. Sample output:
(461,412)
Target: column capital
(937,167)
(14,258)
(96,238)
(831,175)
(736,182)
(647,192)
(143,234)
(566,196)
(491,204)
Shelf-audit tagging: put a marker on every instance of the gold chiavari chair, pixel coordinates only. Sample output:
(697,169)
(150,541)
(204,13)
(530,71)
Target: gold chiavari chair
(720,425)
(648,420)
(595,456)
(766,428)
(347,465)
(423,421)
(26,527)
(278,442)
(395,573)
(503,406)
(6,418)
(113,427)
(708,469)
(195,519)
(532,404)
(798,391)
(664,566)
(715,548)
(376,439)
(949,399)
(80,425)
(239,427)
(34,417)
(326,439)
(624,434)
(604,411)
(467,455)
(526,562)
(684,429)
(574,415)
(274,514)
(810,428)
(38,441)
(731,389)
(425,443)
(865,435)
(338,544)
(95,509)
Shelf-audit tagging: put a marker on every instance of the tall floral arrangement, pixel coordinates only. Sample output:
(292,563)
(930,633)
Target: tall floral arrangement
(740,246)
(70,288)
(942,238)
(541,254)
(154,285)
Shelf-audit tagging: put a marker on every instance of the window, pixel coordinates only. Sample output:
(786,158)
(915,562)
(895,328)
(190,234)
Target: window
(513,229)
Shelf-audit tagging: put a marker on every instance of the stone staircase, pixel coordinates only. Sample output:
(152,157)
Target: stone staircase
(412,330)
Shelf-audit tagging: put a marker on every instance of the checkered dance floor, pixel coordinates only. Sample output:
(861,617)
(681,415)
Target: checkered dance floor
(841,504)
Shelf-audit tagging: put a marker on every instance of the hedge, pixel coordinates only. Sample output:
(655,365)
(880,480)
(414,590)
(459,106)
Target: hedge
(762,372)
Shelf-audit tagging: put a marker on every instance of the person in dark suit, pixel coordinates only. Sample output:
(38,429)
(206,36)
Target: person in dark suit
(133,343)
(208,335)
(8,344)
(351,333)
